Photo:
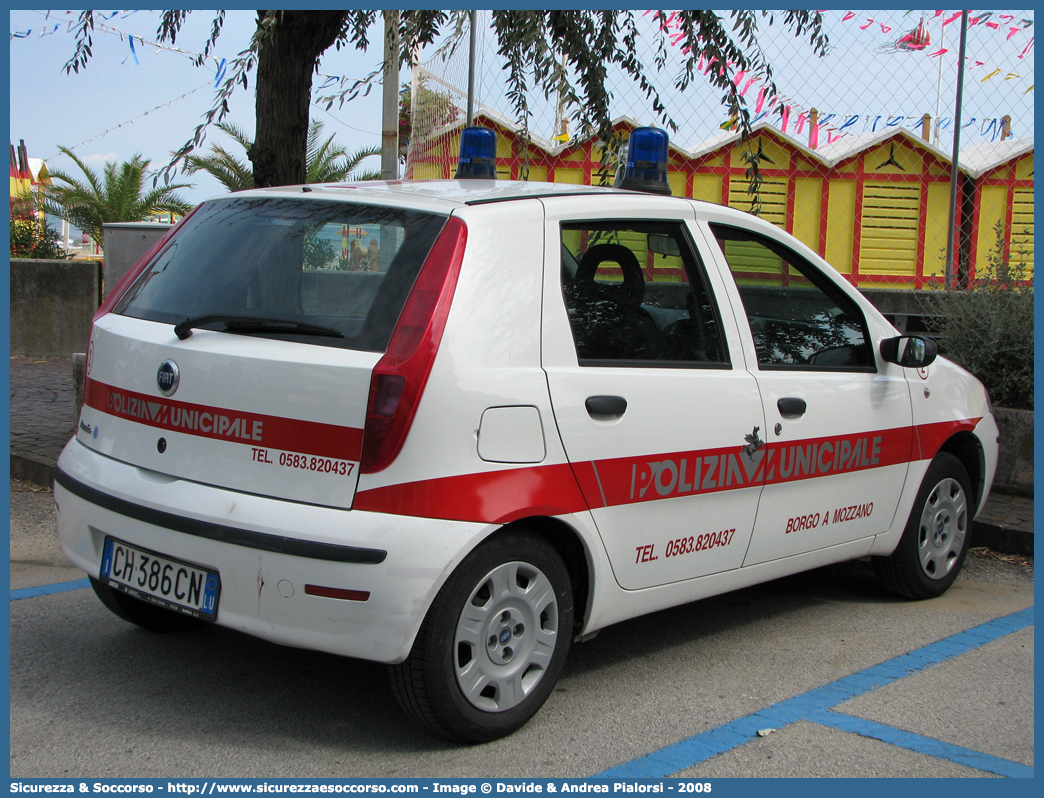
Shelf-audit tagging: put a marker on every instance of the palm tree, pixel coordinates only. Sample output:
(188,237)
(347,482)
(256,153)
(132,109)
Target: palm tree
(326,161)
(233,173)
(116,196)
(322,164)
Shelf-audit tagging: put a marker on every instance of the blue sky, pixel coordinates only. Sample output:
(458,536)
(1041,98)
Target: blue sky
(50,108)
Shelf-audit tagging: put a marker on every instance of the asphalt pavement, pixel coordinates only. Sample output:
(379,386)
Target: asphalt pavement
(820,674)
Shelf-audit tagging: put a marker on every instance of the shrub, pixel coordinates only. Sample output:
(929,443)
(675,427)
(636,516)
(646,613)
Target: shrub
(31,237)
(318,253)
(988,328)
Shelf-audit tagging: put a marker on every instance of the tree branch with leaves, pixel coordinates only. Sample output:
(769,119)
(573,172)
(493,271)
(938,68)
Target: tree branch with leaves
(564,53)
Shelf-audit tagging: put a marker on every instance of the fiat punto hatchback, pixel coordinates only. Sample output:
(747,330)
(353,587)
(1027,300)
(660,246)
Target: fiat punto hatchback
(516,413)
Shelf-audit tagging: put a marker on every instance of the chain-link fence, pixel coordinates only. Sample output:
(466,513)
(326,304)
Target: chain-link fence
(854,150)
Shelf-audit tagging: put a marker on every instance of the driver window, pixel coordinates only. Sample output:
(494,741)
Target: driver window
(798,317)
(636,295)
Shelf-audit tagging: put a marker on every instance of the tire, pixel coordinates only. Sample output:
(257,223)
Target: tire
(493,643)
(141,613)
(935,542)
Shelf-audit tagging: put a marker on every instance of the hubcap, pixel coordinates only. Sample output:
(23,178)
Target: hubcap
(505,636)
(943,527)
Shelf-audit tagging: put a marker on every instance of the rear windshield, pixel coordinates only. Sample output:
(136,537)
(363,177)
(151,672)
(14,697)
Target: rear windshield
(343,267)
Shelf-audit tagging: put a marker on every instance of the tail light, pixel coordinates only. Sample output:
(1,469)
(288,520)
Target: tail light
(399,377)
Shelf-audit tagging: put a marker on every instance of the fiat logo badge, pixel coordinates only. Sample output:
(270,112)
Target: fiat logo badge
(168,377)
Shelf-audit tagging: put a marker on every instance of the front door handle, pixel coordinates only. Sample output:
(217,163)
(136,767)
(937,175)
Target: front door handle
(790,407)
(614,406)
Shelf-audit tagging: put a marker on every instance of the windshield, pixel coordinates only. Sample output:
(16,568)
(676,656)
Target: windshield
(335,265)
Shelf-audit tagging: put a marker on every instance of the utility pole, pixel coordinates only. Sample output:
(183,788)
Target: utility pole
(473,20)
(390,109)
(955,174)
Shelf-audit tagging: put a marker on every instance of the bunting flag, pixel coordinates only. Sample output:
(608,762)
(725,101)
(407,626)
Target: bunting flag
(987,128)
(101,27)
(132,53)
(917,39)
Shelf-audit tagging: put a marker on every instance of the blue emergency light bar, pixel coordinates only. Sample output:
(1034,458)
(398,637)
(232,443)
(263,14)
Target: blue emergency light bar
(645,165)
(478,154)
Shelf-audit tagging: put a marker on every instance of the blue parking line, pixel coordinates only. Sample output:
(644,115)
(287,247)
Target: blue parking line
(923,745)
(46,590)
(814,707)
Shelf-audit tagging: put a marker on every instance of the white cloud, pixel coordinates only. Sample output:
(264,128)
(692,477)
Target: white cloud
(99,159)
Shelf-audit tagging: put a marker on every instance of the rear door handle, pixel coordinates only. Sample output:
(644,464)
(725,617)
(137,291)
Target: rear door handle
(791,407)
(606,405)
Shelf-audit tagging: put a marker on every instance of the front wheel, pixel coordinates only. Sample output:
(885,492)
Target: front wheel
(935,542)
(493,643)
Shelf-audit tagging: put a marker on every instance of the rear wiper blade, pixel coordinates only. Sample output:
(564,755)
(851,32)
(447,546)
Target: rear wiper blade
(183,329)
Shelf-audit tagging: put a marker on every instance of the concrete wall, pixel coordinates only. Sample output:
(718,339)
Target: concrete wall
(1015,460)
(123,244)
(52,302)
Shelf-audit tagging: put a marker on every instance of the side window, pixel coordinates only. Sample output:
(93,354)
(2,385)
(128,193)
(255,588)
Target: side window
(636,294)
(798,317)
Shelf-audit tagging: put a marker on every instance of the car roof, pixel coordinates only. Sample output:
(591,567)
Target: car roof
(444,196)
(435,195)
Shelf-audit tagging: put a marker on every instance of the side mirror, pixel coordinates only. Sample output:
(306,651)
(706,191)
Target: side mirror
(909,351)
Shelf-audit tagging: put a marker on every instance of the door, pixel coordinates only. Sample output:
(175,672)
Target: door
(838,420)
(655,416)
(242,356)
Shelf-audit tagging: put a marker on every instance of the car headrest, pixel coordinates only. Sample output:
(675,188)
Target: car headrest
(631,291)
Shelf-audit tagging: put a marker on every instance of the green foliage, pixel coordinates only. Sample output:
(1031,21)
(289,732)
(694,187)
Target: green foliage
(31,237)
(319,253)
(430,104)
(232,172)
(988,328)
(118,195)
(553,52)
(326,161)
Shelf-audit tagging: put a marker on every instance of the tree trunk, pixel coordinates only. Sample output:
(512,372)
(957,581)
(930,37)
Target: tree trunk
(286,61)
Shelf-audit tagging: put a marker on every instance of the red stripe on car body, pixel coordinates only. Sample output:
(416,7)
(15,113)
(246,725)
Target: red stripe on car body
(508,495)
(931,437)
(219,423)
(497,497)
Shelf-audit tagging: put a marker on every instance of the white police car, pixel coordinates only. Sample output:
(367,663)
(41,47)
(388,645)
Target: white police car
(548,408)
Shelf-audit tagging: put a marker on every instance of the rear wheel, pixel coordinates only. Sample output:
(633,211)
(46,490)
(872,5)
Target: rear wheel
(935,542)
(141,613)
(493,643)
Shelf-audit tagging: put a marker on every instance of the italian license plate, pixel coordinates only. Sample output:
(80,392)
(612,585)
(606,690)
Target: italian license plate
(160,580)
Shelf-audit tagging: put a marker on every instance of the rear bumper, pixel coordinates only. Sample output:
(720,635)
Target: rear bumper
(266,551)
